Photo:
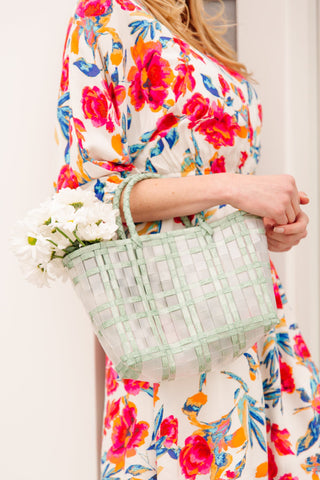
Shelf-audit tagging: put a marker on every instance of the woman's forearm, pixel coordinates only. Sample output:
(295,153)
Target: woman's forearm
(272,196)
(161,198)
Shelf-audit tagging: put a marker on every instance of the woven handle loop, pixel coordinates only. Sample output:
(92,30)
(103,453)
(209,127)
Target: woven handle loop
(127,184)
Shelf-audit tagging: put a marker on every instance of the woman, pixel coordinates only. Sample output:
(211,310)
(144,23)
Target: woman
(147,86)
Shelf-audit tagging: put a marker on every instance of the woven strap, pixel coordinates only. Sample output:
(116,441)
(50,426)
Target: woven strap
(127,184)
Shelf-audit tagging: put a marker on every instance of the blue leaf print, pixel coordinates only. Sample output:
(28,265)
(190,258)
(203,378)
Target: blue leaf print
(137,469)
(89,69)
(64,114)
(202,380)
(207,82)
(303,395)
(129,117)
(164,41)
(145,137)
(65,97)
(172,137)
(283,342)
(150,167)
(99,189)
(142,27)
(174,453)
(115,76)
(311,436)
(135,149)
(157,422)
(257,433)
(158,149)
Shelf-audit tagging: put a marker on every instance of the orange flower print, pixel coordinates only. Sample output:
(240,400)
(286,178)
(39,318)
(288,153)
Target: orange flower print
(96,107)
(66,178)
(127,435)
(127,5)
(64,82)
(300,348)
(169,430)
(112,410)
(150,77)
(316,400)
(184,80)
(92,8)
(287,381)
(196,457)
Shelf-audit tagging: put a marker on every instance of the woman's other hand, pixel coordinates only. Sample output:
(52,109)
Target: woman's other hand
(282,238)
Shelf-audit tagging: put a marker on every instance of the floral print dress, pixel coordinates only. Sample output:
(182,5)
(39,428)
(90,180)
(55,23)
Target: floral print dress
(135,98)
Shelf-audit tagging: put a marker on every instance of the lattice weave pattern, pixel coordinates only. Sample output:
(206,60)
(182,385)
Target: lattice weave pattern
(181,302)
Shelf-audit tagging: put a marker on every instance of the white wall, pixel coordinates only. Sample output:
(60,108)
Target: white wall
(48,423)
(284,59)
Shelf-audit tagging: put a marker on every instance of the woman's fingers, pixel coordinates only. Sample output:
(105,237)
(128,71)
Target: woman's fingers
(297,227)
(304,199)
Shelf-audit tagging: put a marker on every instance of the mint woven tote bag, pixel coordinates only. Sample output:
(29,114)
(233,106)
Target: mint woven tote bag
(178,303)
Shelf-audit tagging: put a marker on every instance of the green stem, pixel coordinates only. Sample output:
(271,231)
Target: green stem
(51,241)
(80,241)
(65,235)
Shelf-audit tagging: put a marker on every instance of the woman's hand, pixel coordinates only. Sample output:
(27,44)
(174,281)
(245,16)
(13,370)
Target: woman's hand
(282,238)
(273,196)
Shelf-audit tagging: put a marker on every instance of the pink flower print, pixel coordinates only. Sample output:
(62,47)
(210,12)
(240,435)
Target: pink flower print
(196,108)
(134,386)
(288,476)
(95,106)
(150,77)
(66,178)
(111,377)
(127,434)
(92,8)
(218,165)
(219,128)
(287,381)
(64,82)
(164,124)
(300,348)
(169,430)
(195,457)
(225,87)
(280,440)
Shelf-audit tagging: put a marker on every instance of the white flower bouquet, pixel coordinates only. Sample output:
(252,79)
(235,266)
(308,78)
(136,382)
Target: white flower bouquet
(71,219)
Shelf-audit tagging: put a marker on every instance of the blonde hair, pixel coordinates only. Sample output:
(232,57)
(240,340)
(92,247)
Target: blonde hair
(188,20)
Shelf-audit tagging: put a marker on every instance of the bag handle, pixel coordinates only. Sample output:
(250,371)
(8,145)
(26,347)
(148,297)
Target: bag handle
(127,184)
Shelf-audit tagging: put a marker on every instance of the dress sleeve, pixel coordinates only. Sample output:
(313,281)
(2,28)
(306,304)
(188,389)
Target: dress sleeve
(91,118)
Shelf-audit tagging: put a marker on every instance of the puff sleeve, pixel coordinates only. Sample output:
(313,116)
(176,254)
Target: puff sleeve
(92,114)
